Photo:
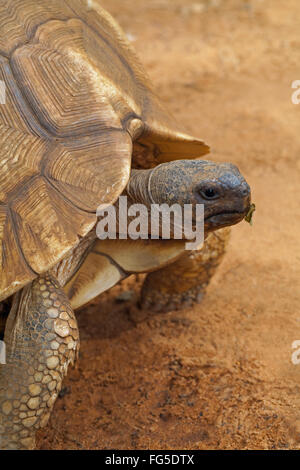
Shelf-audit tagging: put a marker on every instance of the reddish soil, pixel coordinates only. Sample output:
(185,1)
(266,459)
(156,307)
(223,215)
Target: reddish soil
(219,375)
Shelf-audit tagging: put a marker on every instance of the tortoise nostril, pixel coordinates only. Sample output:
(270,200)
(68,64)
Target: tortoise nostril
(245,190)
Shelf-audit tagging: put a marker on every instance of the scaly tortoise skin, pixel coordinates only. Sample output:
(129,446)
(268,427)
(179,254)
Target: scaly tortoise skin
(79,114)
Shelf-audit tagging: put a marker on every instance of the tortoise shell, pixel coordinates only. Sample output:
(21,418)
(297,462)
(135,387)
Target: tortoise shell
(78,112)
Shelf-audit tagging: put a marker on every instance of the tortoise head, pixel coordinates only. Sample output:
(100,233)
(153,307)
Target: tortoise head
(220,187)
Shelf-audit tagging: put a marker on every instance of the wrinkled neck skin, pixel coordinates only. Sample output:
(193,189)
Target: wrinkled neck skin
(142,188)
(138,188)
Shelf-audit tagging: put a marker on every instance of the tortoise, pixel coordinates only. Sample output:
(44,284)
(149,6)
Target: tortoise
(81,125)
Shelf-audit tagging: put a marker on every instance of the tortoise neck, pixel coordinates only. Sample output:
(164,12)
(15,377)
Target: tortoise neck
(137,189)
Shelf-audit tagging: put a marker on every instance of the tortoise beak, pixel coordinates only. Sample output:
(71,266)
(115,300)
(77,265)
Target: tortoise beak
(224,219)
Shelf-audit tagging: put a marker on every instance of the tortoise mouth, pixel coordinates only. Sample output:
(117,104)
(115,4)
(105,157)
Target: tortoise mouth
(227,212)
(225,218)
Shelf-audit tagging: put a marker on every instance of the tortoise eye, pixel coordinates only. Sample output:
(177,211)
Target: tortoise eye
(209,193)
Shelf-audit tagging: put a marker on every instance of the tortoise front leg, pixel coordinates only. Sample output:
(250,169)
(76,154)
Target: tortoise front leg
(183,283)
(41,337)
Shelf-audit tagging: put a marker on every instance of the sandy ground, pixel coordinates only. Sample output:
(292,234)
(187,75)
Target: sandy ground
(220,375)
